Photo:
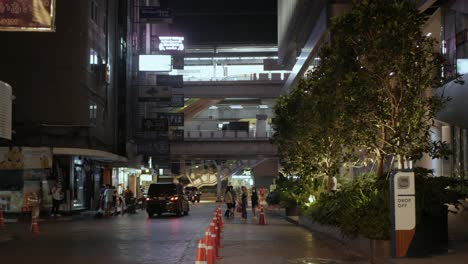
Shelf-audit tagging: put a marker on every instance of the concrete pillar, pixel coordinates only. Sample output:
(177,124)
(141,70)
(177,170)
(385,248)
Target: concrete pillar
(447,138)
(261,125)
(219,179)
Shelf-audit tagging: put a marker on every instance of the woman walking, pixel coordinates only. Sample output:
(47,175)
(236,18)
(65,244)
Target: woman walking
(254,199)
(244,202)
(229,201)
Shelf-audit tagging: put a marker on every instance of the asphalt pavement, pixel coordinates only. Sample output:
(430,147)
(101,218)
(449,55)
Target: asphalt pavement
(121,239)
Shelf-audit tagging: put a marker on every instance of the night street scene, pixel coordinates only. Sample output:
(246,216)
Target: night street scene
(234,132)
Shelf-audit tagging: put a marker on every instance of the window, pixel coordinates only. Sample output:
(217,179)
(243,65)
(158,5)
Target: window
(93,57)
(94,12)
(92,112)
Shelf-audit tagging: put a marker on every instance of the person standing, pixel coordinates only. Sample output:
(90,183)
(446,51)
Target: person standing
(57,197)
(234,199)
(254,199)
(244,202)
(228,200)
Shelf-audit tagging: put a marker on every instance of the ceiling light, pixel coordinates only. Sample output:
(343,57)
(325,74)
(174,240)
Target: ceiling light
(236,107)
(263,106)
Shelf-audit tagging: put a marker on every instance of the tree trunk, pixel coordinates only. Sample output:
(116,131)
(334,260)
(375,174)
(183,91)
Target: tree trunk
(380,166)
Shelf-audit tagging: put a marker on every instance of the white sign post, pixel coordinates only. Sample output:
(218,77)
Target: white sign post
(403,192)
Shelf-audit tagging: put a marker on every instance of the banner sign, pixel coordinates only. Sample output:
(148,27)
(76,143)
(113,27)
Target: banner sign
(21,158)
(27,15)
(403,195)
(151,147)
(155,14)
(174,119)
(154,124)
(171,44)
(174,81)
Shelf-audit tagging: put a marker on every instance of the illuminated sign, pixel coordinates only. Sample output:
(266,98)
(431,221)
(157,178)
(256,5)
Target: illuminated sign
(32,15)
(157,63)
(171,44)
(402,186)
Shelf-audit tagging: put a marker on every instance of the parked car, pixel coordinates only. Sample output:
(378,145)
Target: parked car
(166,198)
(193,194)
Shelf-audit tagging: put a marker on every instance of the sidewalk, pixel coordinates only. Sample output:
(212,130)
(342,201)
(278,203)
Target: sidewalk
(278,242)
(282,241)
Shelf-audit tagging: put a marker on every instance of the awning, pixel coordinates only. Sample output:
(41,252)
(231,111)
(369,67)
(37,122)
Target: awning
(99,155)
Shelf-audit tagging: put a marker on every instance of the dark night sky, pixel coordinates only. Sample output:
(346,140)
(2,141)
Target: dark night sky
(225,22)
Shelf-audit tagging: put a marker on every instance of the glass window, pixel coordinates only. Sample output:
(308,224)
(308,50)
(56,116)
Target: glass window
(93,112)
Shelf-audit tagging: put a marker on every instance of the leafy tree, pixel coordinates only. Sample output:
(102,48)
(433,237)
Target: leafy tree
(314,128)
(397,67)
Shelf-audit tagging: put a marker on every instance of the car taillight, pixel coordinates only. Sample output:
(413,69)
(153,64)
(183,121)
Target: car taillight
(174,198)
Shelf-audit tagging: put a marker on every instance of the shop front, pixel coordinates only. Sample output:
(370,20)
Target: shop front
(24,178)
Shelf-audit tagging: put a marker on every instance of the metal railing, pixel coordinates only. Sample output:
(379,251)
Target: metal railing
(227,135)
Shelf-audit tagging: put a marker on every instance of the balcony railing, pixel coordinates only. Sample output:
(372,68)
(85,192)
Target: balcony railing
(227,135)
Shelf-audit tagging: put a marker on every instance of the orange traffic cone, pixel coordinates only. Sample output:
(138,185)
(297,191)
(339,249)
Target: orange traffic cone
(2,221)
(220,217)
(210,257)
(34,225)
(201,253)
(215,241)
(261,219)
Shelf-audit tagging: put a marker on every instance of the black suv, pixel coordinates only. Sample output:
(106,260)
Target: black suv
(166,197)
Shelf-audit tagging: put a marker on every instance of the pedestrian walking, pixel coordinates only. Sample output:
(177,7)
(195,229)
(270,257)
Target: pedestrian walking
(102,199)
(244,202)
(234,199)
(229,201)
(108,195)
(254,199)
(57,197)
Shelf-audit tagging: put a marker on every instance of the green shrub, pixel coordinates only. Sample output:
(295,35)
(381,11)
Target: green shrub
(362,206)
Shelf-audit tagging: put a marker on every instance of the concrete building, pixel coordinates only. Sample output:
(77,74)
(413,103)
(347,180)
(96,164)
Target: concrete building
(71,88)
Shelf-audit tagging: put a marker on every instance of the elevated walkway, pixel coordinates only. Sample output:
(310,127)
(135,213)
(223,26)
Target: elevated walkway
(233,89)
(223,149)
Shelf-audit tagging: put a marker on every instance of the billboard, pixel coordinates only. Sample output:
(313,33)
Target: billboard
(155,63)
(27,15)
(22,158)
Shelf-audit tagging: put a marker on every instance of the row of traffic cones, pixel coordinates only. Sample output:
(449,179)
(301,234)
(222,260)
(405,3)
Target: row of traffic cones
(34,225)
(208,247)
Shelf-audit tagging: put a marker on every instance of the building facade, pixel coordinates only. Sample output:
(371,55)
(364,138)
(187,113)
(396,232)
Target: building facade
(70,90)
